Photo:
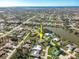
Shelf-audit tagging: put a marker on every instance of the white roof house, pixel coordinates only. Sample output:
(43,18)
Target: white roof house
(71,47)
(37,47)
(36,58)
(48,34)
(56,39)
(77,50)
(1,20)
(36,50)
(35,53)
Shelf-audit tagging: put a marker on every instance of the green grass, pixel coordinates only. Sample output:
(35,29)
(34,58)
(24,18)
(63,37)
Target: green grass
(49,57)
(77,55)
(50,50)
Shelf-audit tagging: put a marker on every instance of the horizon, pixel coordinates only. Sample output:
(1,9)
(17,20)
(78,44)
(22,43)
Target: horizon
(42,6)
(14,3)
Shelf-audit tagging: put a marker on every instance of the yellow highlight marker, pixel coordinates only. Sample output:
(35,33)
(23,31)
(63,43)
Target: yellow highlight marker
(41,36)
(41,32)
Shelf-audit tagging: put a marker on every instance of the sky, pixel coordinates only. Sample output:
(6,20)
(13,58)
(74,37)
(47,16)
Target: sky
(9,3)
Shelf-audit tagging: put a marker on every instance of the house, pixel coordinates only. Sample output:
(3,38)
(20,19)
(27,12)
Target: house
(28,42)
(21,34)
(2,53)
(26,46)
(37,47)
(2,26)
(2,21)
(56,39)
(71,47)
(36,51)
(36,58)
(1,33)
(77,50)
(9,45)
(13,21)
(48,34)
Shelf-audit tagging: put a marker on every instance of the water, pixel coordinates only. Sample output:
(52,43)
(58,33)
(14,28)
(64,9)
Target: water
(66,35)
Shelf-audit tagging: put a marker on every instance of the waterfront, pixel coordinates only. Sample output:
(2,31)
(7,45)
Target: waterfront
(66,35)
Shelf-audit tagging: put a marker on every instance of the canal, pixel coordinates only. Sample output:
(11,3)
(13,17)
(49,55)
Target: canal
(66,35)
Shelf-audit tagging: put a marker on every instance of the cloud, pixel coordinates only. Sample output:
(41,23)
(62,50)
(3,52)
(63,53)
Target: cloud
(8,4)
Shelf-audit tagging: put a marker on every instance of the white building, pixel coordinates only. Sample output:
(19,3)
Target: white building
(56,39)
(36,50)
